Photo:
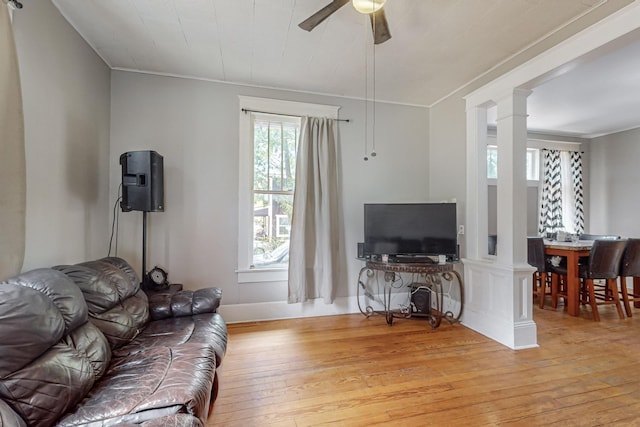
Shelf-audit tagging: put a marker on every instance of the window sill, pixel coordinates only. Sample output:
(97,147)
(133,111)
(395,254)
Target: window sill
(263,275)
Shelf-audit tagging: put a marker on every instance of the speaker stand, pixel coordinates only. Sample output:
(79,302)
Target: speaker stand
(144,249)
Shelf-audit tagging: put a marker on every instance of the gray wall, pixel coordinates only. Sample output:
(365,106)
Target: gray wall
(65,88)
(194,125)
(614,200)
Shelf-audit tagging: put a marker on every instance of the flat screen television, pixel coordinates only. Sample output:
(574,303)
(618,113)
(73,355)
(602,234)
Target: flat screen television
(412,229)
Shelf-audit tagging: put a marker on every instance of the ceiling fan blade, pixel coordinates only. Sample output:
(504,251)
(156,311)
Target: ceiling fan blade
(380,27)
(311,22)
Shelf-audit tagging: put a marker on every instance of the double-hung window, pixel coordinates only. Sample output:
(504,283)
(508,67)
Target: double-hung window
(269,134)
(532,164)
(275,142)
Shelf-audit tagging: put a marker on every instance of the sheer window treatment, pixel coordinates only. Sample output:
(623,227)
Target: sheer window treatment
(12,155)
(315,230)
(561,201)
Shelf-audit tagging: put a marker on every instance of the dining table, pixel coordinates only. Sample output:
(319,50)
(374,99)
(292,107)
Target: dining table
(573,251)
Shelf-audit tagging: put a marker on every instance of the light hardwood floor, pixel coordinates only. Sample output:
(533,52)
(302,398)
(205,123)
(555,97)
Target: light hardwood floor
(355,371)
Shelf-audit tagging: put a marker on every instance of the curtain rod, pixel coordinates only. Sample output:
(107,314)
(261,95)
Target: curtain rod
(246,110)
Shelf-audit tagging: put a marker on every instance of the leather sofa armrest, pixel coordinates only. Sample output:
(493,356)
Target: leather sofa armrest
(179,303)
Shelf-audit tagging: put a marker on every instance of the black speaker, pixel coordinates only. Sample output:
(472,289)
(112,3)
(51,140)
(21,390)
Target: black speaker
(420,299)
(360,250)
(142,181)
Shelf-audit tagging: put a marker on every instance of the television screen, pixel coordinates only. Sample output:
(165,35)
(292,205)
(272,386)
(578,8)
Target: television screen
(410,229)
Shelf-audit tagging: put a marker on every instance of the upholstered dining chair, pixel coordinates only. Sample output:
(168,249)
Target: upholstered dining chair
(557,274)
(536,258)
(603,265)
(630,268)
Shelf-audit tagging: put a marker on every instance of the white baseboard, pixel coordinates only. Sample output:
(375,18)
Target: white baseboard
(240,313)
(517,336)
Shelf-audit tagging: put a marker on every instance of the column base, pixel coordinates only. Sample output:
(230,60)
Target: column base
(499,302)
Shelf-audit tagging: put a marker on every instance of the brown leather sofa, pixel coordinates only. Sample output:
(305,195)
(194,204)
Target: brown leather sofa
(83,345)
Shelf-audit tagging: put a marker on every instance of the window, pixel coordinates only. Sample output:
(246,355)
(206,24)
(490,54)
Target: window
(492,162)
(275,143)
(533,163)
(268,140)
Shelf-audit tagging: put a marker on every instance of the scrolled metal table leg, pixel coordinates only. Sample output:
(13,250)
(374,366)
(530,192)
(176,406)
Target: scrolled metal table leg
(360,283)
(448,315)
(387,305)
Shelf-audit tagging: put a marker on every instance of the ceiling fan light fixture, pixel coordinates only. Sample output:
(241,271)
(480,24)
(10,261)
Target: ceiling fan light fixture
(368,6)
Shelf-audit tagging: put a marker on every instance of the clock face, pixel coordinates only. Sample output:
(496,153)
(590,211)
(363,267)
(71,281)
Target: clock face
(158,276)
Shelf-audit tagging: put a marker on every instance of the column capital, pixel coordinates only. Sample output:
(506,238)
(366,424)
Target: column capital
(513,103)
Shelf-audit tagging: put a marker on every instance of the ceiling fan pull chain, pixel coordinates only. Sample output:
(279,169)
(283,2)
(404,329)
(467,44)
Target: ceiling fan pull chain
(366,97)
(373,136)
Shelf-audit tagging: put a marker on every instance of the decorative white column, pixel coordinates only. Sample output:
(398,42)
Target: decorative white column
(512,178)
(512,212)
(476,212)
(498,290)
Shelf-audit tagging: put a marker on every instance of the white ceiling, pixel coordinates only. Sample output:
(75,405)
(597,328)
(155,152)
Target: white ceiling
(598,97)
(437,46)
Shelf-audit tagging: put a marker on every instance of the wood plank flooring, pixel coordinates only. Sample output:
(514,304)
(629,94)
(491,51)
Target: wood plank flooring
(355,371)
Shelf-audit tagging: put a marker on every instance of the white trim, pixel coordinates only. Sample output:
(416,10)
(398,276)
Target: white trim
(283,89)
(263,275)
(245,151)
(239,313)
(541,144)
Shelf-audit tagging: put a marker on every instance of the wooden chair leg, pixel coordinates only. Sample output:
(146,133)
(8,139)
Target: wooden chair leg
(542,288)
(625,296)
(612,284)
(554,291)
(592,299)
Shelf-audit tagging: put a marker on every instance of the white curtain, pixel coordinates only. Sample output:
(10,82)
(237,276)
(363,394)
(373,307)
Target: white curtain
(12,156)
(315,231)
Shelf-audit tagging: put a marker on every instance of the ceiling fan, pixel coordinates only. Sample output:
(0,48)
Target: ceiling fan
(373,8)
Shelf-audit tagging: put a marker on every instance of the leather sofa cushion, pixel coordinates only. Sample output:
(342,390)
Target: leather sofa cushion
(117,305)
(155,383)
(51,354)
(184,303)
(209,329)
(123,266)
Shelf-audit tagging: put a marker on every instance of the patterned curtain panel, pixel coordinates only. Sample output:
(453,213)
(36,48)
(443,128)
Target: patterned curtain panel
(576,173)
(561,202)
(551,198)
(12,155)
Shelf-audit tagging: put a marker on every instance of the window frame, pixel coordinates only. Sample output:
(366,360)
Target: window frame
(536,153)
(245,180)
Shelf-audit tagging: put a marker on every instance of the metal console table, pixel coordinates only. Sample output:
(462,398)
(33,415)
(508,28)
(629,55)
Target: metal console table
(446,302)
